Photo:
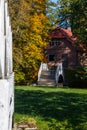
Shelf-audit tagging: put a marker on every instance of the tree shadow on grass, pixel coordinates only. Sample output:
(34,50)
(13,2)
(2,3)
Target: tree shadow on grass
(57,105)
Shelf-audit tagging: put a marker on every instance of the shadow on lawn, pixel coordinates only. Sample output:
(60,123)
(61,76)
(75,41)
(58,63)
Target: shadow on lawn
(58,105)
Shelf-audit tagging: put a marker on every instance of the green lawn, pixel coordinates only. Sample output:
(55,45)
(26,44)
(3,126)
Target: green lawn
(52,108)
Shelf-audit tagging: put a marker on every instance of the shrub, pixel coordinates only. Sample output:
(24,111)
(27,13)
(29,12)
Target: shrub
(76,77)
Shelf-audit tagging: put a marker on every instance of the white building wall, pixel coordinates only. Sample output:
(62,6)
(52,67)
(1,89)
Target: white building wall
(2,38)
(6,69)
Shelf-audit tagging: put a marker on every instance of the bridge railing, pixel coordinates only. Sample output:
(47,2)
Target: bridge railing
(59,71)
(43,66)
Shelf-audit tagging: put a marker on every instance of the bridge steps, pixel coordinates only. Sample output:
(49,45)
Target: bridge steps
(47,78)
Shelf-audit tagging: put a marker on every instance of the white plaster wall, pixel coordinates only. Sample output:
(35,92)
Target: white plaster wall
(2,39)
(2,16)
(11,100)
(6,103)
(8,43)
(2,54)
(6,70)
(4,99)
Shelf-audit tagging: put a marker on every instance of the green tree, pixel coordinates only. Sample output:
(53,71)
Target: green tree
(52,12)
(74,13)
(79,17)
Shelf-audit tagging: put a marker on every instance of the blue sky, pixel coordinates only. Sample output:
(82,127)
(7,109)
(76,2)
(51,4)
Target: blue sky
(54,0)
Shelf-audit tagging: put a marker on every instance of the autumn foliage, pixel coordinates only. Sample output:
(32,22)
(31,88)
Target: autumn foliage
(30,27)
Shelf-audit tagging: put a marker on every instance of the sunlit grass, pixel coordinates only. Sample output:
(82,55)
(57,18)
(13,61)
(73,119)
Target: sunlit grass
(52,108)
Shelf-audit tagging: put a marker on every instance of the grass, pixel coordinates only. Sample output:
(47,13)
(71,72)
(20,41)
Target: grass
(52,108)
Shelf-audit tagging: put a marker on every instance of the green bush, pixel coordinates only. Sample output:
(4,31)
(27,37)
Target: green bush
(19,77)
(82,126)
(76,77)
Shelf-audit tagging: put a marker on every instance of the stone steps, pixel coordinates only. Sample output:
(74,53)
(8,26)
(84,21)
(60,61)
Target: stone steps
(47,78)
(46,83)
